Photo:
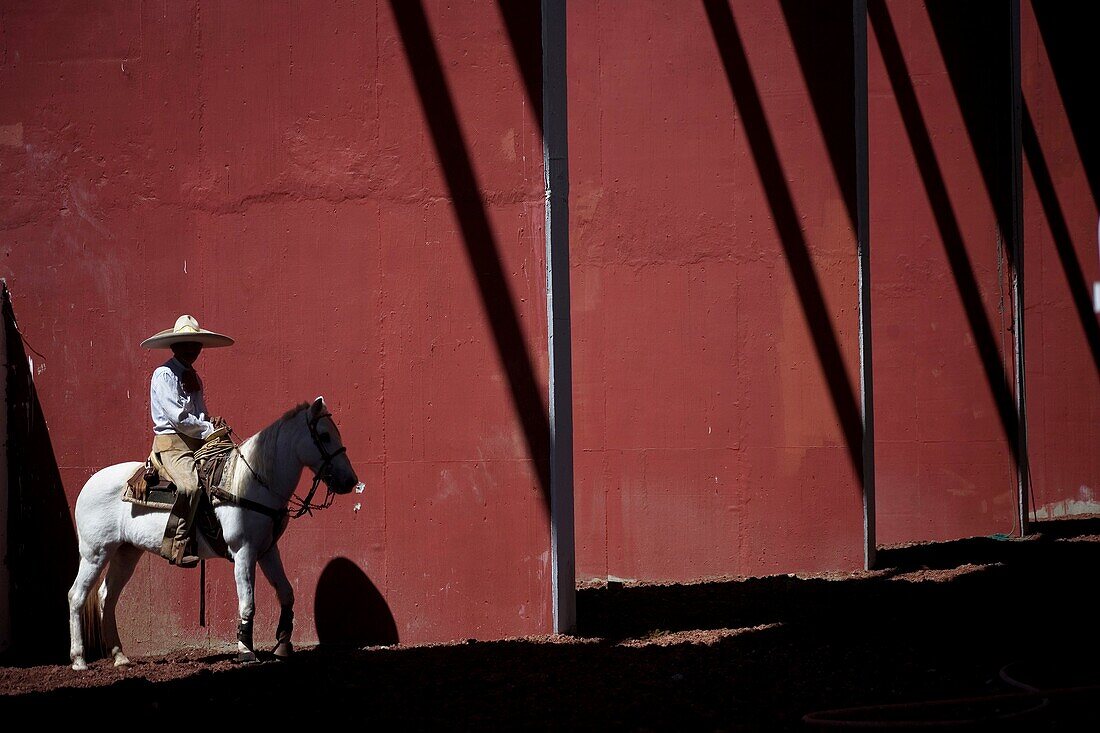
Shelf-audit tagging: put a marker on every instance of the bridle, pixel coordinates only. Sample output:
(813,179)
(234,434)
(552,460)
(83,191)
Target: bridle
(321,473)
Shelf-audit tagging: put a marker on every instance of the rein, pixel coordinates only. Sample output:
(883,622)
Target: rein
(302,506)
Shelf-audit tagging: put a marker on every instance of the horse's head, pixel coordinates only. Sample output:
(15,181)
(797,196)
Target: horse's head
(324,452)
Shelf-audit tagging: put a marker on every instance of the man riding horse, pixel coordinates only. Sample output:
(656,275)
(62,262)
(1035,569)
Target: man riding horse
(181,425)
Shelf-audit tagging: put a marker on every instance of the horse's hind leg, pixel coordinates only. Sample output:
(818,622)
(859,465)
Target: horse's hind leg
(272,565)
(86,576)
(119,572)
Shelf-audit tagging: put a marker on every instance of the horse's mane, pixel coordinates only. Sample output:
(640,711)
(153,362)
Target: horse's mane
(292,412)
(263,453)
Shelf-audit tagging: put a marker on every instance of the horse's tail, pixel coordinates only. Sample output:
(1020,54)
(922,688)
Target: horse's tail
(91,622)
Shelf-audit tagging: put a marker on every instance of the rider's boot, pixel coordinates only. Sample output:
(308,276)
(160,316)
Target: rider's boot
(179,552)
(179,545)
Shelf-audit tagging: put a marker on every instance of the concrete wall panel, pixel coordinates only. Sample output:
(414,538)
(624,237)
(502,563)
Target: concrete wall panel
(1061,185)
(939,114)
(714,294)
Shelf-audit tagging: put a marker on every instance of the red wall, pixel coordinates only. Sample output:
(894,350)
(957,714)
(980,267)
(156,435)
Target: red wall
(941,284)
(1062,167)
(271,169)
(708,440)
(354,191)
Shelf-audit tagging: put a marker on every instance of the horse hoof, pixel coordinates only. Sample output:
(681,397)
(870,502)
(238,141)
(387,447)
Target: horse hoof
(79,665)
(283,650)
(247,658)
(121,660)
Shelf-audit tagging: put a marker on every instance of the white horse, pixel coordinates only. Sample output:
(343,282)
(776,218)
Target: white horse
(113,533)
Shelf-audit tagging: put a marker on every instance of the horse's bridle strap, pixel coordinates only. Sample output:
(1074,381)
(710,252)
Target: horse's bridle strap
(326,457)
(228,498)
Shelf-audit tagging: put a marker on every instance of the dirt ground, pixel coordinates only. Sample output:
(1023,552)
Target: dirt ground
(979,634)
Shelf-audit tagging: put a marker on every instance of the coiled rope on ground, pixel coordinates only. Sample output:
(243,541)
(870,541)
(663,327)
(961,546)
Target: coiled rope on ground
(970,713)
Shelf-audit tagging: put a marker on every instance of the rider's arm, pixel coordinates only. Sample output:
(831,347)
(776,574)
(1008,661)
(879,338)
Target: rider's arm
(170,406)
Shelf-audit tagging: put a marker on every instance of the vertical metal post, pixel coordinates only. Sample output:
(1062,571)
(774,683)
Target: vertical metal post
(1023,469)
(5,577)
(202,593)
(556,172)
(863,244)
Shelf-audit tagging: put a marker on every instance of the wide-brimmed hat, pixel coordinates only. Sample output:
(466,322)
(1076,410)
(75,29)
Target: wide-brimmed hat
(186,329)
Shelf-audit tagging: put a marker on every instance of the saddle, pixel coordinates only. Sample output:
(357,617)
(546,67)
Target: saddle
(148,487)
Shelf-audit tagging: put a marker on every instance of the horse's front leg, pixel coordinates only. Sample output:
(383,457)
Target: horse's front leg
(244,571)
(272,565)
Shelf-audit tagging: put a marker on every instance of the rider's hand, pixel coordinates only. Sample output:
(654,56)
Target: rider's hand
(218,433)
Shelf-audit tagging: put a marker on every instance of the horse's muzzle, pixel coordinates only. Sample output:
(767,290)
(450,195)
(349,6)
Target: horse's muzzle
(343,487)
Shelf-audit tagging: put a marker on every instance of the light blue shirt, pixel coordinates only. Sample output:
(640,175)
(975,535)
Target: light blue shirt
(174,410)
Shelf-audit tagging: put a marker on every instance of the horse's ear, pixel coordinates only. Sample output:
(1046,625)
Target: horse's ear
(318,406)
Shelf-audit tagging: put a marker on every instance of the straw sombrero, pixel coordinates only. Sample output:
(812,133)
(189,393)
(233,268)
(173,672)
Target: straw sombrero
(186,329)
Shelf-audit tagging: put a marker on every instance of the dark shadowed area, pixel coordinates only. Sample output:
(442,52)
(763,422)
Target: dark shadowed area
(349,609)
(935,630)
(42,556)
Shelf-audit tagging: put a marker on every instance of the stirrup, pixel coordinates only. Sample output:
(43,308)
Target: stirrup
(181,557)
(183,560)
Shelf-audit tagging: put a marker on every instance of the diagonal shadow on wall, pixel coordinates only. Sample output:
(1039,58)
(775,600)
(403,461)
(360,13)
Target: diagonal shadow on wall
(42,550)
(523,20)
(1063,240)
(795,247)
(1069,34)
(974,40)
(477,234)
(825,47)
(954,246)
